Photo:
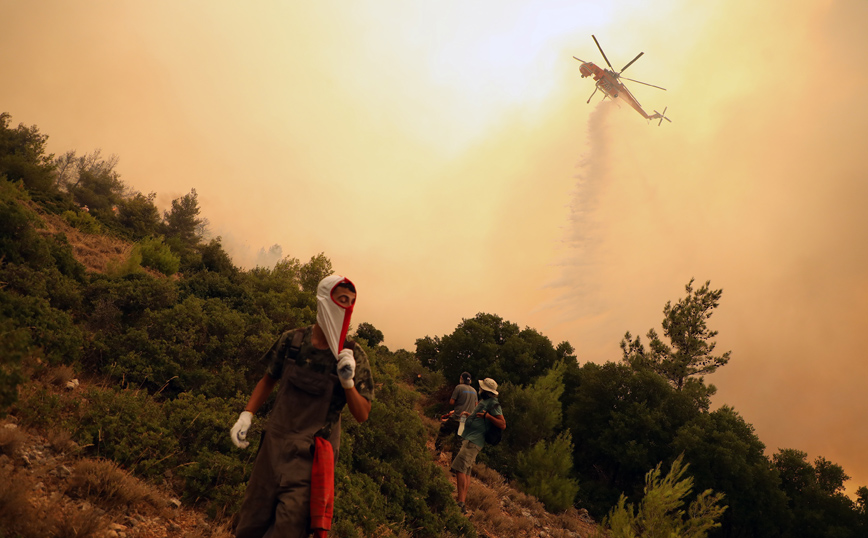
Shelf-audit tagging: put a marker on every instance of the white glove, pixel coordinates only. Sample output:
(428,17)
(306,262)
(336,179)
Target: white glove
(346,368)
(239,431)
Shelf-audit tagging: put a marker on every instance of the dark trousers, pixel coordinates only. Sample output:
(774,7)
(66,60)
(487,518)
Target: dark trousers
(448,436)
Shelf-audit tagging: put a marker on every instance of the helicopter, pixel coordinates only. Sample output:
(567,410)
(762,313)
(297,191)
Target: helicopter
(608,81)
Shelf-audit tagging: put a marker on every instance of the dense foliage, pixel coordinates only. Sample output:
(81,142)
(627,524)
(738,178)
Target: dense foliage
(172,361)
(171,338)
(660,513)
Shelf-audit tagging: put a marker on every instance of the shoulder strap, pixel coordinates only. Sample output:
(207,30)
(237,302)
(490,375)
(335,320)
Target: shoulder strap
(297,339)
(295,345)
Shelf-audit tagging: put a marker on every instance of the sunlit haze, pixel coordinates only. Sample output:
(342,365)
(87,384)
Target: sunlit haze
(443,156)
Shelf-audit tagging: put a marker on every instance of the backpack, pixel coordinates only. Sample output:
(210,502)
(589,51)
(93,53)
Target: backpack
(493,434)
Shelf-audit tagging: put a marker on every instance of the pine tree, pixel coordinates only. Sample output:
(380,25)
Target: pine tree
(685,324)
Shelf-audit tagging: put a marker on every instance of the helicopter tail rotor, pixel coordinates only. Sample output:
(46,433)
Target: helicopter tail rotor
(661,116)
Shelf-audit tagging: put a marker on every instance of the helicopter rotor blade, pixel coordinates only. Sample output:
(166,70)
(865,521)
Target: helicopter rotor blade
(579,59)
(601,51)
(645,83)
(631,62)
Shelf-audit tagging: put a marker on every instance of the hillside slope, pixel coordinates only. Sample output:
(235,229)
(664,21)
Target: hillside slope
(56,491)
(499,510)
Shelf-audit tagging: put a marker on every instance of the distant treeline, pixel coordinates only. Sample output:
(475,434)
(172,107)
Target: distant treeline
(170,338)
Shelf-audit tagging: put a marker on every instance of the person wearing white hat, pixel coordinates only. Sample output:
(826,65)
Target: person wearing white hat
(487,414)
(290,491)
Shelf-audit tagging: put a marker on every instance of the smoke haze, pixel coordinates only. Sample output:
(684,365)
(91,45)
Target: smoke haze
(444,158)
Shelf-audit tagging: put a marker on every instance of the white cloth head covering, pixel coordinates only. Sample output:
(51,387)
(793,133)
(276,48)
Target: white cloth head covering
(333,319)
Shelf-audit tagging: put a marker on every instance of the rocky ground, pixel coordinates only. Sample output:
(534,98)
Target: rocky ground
(498,510)
(48,490)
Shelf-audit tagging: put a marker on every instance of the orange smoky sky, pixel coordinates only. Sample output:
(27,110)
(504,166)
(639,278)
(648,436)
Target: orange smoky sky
(444,158)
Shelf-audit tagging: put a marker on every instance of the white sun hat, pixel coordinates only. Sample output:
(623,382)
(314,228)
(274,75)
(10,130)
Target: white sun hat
(489,385)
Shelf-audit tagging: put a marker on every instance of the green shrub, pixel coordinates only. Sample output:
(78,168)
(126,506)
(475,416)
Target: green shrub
(82,220)
(544,471)
(64,259)
(19,241)
(660,512)
(42,408)
(157,255)
(132,295)
(128,427)
(132,265)
(61,292)
(214,471)
(48,328)
(15,344)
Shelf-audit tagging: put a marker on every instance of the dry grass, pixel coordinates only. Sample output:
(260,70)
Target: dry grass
(61,440)
(79,524)
(488,515)
(488,476)
(528,502)
(20,518)
(14,506)
(104,483)
(59,376)
(11,439)
(573,521)
(223,531)
(499,510)
(95,252)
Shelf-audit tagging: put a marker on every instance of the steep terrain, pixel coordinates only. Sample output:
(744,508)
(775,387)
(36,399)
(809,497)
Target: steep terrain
(498,510)
(95,251)
(55,491)
(50,489)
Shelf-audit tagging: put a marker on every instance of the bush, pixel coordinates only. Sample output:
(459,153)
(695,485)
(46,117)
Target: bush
(544,472)
(214,471)
(82,220)
(19,241)
(50,329)
(132,265)
(116,303)
(158,256)
(129,427)
(660,512)
(18,517)
(15,344)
